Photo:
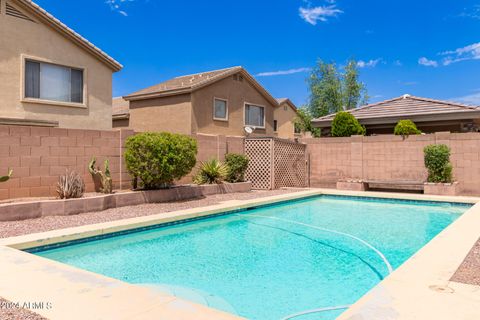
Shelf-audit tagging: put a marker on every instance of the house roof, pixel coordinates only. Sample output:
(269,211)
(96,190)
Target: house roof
(192,82)
(407,107)
(120,108)
(69,33)
(288,102)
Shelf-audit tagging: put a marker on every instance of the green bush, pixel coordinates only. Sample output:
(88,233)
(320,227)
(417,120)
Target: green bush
(437,162)
(345,125)
(210,172)
(405,128)
(237,165)
(158,159)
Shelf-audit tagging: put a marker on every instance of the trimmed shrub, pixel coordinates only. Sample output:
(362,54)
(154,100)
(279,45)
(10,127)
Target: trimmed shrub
(345,125)
(158,159)
(437,162)
(212,171)
(405,128)
(237,165)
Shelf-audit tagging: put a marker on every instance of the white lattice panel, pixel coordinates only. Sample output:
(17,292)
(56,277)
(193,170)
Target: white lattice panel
(259,171)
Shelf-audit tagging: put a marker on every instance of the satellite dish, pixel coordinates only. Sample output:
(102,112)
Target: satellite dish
(248,130)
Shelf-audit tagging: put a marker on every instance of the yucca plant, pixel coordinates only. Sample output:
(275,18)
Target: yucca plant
(70,185)
(210,172)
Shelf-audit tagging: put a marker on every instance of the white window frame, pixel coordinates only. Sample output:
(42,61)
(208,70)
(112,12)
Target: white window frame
(255,105)
(25,58)
(226,109)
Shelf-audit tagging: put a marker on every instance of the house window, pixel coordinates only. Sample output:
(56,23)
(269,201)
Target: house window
(275,125)
(254,116)
(220,109)
(52,82)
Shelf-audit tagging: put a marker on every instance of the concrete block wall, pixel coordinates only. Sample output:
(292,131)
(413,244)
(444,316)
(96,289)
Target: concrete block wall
(39,155)
(389,157)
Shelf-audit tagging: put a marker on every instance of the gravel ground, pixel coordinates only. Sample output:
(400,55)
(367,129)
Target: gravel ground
(8,311)
(469,270)
(16,228)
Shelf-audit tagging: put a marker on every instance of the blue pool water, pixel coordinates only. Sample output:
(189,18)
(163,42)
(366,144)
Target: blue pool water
(274,261)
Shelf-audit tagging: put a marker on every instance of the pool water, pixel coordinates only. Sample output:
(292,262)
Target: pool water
(274,261)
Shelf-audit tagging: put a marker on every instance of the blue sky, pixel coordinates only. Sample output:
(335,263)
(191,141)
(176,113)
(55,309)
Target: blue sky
(422,47)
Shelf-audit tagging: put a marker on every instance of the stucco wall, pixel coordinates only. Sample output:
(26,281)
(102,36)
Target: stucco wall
(237,93)
(18,38)
(284,116)
(171,114)
(389,157)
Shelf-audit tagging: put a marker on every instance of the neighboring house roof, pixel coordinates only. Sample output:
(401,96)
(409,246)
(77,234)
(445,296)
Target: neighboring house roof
(288,102)
(120,108)
(190,83)
(69,33)
(407,107)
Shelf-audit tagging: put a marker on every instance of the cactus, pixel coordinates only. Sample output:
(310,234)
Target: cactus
(5,178)
(105,177)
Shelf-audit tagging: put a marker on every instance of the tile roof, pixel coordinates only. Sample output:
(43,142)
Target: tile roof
(69,33)
(187,82)
(192,82)
(120,106)
(405,107)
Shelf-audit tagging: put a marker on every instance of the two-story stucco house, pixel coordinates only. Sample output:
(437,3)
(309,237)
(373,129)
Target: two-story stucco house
(49,74)
(220,102)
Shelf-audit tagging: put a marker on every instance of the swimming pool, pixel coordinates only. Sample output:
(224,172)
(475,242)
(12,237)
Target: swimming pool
(273,261)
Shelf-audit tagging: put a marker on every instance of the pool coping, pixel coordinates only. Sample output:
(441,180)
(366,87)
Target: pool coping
(79,294)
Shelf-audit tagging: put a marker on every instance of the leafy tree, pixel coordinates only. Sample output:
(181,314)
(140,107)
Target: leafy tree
(303,121)
(333,91)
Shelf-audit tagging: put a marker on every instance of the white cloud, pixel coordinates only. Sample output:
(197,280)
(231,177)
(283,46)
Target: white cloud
(282,72)
(368,64)
(473,12)
(470,52)
(116,5)
(428,63)
(472,99)
(321,13)
(398,63)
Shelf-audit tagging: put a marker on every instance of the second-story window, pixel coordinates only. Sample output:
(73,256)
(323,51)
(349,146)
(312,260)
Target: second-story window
(220,109)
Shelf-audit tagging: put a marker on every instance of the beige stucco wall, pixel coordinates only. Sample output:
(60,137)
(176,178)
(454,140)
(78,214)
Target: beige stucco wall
(284,116)
(171,114)
(20,38)
(237,93)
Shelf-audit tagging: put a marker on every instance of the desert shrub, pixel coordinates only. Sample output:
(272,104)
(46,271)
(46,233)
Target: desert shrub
(237,165)
(210,172)
(437,162)
(405,128)
(158,159)
(345,125)
(70,186)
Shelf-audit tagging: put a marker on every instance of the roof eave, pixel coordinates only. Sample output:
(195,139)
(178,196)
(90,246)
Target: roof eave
(70,34)
(462,115)
(136,97)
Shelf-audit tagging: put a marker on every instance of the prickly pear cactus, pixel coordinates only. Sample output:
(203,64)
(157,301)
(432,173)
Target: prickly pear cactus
(5,178)
(105,177)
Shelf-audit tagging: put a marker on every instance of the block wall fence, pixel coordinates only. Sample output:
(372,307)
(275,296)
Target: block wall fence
(389,157)
(39,155)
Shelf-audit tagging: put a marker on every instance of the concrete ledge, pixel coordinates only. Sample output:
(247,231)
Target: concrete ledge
(352,185)
(37,209)
(442,189)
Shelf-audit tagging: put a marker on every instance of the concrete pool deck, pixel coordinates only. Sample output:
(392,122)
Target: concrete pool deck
(413,291)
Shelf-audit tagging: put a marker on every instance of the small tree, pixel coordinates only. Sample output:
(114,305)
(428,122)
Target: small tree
(345,125)
(437,162)
(405,128)
(303,121)
(158,159)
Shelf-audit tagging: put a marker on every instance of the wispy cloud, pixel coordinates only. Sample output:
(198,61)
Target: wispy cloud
(470,52)
(472,99)
(427,62)
(282,72)
(117,6)
(472,12)
(398,63)
(321,13)
(368,64)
